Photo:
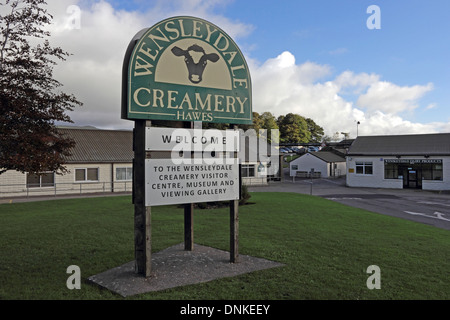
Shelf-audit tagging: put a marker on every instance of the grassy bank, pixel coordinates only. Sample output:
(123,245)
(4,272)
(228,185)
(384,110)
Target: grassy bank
(325,246)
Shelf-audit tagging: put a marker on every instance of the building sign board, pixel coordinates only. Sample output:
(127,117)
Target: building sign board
(412,161)
(167,183)
(187,69)
(170,139)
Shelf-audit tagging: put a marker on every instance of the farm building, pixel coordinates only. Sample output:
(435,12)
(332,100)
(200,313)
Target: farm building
(325,164)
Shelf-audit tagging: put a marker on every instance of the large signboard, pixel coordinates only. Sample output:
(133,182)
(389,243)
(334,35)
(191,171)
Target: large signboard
(167,183)
(187,69)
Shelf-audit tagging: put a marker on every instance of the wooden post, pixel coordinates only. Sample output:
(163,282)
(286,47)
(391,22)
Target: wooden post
(189,226)
(189,211)
(234,222)
(142,214)
(234,230)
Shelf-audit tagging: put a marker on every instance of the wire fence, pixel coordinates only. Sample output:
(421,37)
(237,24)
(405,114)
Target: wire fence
(55,189)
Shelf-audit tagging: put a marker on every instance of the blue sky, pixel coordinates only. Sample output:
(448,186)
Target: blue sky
(395,79)
(412,46)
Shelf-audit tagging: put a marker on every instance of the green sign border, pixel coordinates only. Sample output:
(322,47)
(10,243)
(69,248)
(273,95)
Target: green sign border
(184,102)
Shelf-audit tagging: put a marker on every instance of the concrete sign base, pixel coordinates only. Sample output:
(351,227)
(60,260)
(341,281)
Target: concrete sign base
(174,267)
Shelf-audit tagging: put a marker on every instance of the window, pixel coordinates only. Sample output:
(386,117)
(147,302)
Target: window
(432,171)
(426,171)
(364,168)
(294,167)
(46,179)
(86,174)
(248,170)
(123,174)
(437,172)
(391,171)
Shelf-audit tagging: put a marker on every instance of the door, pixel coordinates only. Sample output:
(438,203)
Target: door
(403,172)
(412,178)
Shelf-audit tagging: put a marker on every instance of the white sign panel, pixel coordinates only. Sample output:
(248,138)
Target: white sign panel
(169,183)
(170,139)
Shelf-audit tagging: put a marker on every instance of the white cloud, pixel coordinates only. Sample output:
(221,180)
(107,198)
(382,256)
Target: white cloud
(349,82)
(93,72)
(391,98)
(280,84)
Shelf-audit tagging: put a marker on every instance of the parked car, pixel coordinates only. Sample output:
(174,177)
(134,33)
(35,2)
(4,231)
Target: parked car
(312,149)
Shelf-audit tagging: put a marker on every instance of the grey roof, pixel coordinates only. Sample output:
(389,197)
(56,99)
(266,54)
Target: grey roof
(328,156)
(99,146)
(402,145)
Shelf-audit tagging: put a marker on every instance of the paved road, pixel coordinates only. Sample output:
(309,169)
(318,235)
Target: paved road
(417,205)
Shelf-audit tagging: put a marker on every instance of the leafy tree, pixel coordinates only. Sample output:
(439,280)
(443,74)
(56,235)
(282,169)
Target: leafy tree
(268,121)
(30,103)
(315,130)
(293,128)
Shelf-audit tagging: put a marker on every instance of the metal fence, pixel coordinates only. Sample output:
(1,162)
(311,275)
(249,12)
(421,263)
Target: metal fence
(55,189)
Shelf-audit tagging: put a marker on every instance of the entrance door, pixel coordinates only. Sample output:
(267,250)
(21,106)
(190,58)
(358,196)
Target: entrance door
(403,171)
(412,179)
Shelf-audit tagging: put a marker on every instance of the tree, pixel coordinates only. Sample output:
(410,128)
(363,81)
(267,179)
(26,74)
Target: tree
(293,128)
(256,122)
(315,130)
(30,103)
(268,121)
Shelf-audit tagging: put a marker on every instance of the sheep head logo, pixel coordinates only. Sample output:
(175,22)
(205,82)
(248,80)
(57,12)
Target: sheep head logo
(195,69)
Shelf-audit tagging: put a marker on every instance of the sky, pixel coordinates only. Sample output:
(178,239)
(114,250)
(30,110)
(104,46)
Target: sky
(321,59)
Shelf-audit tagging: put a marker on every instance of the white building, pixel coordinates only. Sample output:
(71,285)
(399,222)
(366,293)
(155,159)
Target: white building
(101,161)
(419,161)
(325,164)
(260,161)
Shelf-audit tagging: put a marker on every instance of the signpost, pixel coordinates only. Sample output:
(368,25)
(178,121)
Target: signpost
(184,71)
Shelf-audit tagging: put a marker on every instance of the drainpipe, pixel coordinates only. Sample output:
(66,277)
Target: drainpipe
(112,177)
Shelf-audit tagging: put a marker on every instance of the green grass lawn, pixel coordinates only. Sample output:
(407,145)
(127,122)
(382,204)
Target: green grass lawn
(326,248)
